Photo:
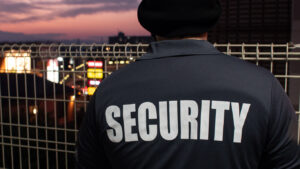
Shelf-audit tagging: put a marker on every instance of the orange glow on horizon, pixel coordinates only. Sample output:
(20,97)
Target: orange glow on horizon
(83,26)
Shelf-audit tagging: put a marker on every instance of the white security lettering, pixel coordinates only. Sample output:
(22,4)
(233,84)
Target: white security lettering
(188,117)
(129,122)
(142,121)
(168,127)
(115,134)
(220,107)
(239,120)
(175,120)
(204,124)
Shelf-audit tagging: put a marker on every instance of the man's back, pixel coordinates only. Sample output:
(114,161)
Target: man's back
(185,105)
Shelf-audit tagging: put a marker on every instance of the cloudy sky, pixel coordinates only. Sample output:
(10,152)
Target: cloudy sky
(68,19)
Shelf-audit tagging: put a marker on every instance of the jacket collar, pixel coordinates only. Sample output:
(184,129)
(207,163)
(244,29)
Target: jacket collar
(185,47)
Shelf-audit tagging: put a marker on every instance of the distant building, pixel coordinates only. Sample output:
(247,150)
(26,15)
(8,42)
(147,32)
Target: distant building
(122,39)
(295,66)
(245,21)
(15,61)
(254,21)
(267,21)
(296,22)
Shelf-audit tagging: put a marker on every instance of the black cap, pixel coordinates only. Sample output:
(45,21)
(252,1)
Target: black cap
(179,18)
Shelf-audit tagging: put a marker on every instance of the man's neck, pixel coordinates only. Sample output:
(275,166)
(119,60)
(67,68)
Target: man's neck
(204,37)
(197,38)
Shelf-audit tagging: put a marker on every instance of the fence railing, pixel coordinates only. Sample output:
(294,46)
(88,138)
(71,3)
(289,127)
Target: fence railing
(45,89)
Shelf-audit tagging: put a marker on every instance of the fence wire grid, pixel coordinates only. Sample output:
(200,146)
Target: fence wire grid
(45,89)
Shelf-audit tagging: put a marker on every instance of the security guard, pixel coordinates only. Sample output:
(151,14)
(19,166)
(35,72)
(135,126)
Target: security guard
(185,105)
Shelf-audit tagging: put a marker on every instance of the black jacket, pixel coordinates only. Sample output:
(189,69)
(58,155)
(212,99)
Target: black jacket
(185,105)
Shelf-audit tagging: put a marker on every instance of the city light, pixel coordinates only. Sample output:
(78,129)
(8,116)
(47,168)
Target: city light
(84,90)
(95,73)
(79,66)
(91,90)
(71,104)
(34,111)
(17,61)
(97,64)
(53,70)
(64,79)
(119,62)
(71,61)
(94,82)
(60,59)
(18,64)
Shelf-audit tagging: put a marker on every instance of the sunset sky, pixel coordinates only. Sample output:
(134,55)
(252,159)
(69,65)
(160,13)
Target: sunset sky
(68,19)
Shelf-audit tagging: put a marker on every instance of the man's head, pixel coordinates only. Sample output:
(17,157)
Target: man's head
(178,19)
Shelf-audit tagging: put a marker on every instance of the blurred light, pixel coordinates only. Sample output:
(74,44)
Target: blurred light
(95,73)
(71,104)
(64,79)
(10,63)
(97,64)
(117,62)
(71,61)
(34,111)
(107,48)
(84,90)
(94,82)
(122,62)
(127,61)
(17,64)
(80,66)
(110,62)
(52,70)
(60,59)
(70,66)
(91,90)
(131,58)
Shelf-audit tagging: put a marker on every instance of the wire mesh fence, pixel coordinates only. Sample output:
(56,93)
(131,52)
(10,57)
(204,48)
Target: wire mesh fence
(45,89)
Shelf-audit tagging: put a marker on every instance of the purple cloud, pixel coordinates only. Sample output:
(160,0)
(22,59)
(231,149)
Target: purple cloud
(20,37)
(91,10)
(10,10)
